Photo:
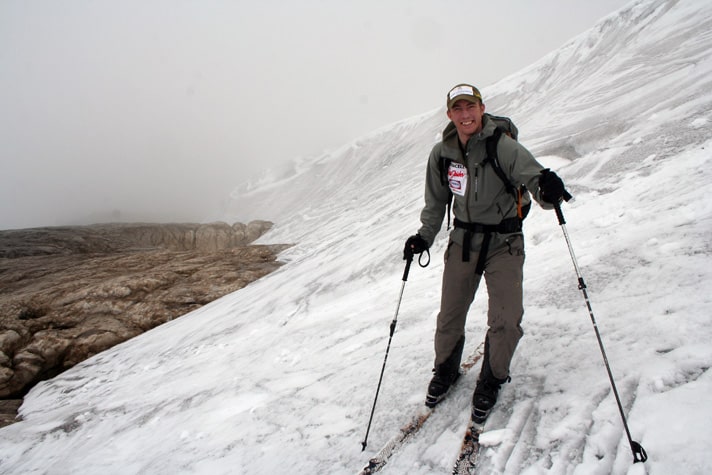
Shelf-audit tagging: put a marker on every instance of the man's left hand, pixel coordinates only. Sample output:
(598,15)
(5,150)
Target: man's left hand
(551,187)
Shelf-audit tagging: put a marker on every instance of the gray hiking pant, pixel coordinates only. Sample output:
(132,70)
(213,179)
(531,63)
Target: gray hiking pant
(503,277)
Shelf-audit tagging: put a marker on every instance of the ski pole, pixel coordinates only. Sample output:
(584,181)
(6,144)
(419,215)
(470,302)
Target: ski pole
(639,454)
(408,256)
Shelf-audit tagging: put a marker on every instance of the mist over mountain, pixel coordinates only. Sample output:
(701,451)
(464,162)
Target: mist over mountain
(279,377)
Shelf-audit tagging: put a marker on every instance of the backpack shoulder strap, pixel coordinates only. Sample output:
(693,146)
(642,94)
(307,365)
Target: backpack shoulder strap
(493,159)
(444,165)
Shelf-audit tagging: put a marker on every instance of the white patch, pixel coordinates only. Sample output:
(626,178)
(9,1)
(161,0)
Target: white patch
(460,90)
(457,178)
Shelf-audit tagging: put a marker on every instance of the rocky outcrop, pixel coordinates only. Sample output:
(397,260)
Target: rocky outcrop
(69,293)
(102,238)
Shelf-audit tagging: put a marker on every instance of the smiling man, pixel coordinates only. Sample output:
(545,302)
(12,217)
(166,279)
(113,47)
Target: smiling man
(486,240)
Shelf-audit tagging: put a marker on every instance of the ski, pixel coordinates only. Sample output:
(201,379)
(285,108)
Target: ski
(466,462)
(408,431)
(377,462)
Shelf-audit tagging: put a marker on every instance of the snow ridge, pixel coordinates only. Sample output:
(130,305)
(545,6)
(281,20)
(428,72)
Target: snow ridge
(279,376)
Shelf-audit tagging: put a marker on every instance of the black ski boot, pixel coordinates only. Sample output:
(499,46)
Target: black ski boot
(445,376)
(440,385)
(485,396)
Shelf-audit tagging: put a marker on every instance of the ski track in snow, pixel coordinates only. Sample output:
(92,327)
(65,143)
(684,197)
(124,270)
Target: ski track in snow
(279,377)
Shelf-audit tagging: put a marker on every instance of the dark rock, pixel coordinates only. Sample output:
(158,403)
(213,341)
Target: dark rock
(105,238)
(8,411)
(67,293)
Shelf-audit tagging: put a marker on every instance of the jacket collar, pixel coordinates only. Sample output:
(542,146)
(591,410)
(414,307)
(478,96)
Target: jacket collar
(451,145)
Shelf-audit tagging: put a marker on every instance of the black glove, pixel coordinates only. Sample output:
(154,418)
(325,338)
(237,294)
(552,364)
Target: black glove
(414,245)
(551,187)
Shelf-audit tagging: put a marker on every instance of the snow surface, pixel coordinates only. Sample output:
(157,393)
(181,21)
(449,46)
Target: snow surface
(279,377)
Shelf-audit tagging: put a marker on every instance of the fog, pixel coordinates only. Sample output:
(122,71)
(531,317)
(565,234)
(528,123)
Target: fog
(155,111)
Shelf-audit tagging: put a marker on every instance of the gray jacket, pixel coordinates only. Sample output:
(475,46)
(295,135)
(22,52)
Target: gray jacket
(482,197)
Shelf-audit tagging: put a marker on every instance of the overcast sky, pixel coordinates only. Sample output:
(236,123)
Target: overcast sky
(154,110)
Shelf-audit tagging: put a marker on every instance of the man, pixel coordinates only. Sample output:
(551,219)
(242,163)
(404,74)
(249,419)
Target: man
(486,240)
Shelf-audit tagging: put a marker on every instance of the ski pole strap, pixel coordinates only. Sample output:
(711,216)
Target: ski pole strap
(506,226)
(420,258)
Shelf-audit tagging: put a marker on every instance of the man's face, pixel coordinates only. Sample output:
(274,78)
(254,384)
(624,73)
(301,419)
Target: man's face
(467,117)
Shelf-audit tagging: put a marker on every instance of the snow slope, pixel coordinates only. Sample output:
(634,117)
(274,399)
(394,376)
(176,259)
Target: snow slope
(279,377)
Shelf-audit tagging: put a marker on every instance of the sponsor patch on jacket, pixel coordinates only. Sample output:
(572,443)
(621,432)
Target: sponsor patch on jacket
(457,178)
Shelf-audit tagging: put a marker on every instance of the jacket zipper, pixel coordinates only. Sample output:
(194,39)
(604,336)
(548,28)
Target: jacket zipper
(476,181)
(470,185)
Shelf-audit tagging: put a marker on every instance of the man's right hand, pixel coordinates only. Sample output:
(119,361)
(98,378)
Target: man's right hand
(415,245)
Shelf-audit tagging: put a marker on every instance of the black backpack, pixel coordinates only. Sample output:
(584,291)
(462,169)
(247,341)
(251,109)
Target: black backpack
(520,194)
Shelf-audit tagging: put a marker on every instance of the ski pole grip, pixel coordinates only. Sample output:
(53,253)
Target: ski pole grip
(408,256)
(559,214)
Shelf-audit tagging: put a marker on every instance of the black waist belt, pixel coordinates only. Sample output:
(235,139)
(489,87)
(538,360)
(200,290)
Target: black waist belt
(506,226)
